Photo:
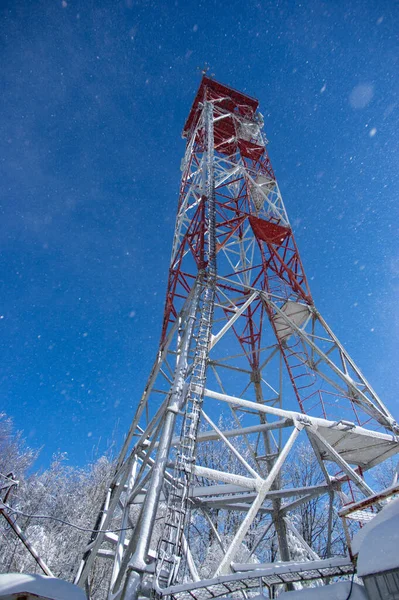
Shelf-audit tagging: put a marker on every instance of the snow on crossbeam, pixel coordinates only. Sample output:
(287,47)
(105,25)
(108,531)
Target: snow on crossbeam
(270,573)
(356,445)
(293,567)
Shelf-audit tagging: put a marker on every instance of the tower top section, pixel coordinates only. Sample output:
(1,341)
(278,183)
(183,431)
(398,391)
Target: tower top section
(228,98)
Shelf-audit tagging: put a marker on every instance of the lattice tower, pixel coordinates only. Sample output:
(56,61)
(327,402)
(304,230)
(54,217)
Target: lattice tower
(246,366)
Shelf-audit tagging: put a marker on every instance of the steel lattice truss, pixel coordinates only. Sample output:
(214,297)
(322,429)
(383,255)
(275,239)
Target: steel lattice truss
(243,344)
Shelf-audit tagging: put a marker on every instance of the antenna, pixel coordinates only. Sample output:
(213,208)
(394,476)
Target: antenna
(205,70)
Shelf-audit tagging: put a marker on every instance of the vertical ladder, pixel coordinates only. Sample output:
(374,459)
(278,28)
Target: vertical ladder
(169,547)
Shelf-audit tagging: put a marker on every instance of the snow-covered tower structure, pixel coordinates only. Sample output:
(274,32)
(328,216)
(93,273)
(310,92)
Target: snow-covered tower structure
(199,506)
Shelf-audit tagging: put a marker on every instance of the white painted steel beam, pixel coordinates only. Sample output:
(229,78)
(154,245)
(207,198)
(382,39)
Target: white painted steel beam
(231,552)
(230,323)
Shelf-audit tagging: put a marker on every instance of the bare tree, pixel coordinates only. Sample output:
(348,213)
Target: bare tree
(311,518)
(63,494)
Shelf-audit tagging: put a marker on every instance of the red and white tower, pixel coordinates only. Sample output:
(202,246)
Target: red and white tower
(246,366)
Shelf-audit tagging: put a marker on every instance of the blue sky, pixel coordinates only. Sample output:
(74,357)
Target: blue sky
(93,99)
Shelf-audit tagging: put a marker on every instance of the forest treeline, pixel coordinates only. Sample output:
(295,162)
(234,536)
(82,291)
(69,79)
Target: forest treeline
(68,494)
(71,494)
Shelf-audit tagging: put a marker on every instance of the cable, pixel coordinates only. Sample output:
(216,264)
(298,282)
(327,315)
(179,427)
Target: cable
(19,512)
(350,589)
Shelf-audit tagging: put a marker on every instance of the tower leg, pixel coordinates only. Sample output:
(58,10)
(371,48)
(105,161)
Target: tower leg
(135,558)
(278,521)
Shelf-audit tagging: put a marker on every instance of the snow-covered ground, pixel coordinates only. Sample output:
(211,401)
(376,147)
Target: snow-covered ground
(335,591)
(377,543)
(42,587)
